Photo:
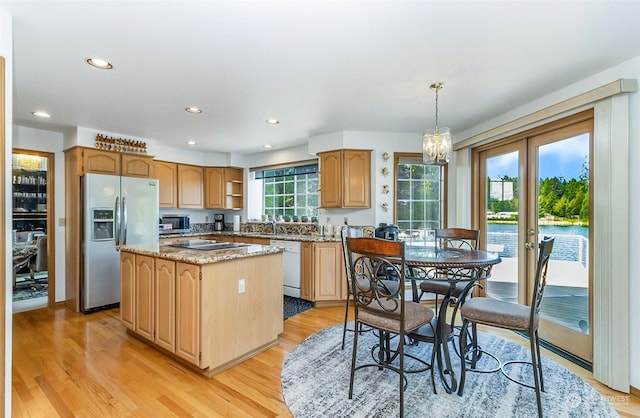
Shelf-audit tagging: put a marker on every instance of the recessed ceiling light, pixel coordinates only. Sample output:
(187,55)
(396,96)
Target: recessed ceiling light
(99,63)
(192,142)
(195,110)
(267,146)
(41,114)
(273,121)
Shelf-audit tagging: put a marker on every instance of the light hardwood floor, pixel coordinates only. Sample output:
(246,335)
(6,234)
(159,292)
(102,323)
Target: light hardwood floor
(68,364)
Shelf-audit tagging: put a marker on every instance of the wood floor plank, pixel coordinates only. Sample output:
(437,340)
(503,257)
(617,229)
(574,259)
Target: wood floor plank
(70,364)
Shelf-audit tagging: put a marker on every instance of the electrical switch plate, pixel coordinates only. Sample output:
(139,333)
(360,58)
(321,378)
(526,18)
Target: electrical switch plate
(241,286)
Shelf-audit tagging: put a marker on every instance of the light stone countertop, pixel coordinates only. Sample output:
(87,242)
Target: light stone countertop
(193,256)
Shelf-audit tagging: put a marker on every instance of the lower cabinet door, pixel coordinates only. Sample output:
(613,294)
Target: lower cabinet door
(188,312)
(144,323)
(127,289)
(165,304)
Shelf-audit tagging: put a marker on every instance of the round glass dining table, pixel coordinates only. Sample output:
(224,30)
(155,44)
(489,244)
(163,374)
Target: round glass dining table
(452,265)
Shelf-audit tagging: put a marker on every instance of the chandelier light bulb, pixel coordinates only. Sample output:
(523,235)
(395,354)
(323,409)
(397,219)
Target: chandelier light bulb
(436,143)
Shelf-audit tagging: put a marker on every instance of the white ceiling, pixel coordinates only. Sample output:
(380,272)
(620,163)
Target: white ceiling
(317,66)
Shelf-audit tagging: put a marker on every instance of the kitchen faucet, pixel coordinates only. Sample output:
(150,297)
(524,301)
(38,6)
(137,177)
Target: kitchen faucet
(273,225)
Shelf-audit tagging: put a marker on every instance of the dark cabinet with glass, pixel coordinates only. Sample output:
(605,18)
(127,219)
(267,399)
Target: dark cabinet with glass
(29,199)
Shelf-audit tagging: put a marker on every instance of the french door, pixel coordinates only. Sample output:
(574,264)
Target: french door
(533,185)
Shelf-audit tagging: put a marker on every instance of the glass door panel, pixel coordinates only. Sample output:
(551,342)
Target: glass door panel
(562,196)
(536,186)
(501,223)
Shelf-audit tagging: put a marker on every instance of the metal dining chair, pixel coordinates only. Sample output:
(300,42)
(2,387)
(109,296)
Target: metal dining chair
(512,316)
(350,232)
(372,261)
(450,238)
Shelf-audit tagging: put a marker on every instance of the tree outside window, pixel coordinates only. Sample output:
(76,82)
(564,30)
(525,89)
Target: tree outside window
(420,197)
(291,191)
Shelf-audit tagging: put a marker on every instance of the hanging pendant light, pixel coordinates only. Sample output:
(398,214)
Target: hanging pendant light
(436,144)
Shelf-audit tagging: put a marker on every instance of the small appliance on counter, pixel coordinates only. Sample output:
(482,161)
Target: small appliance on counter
(175,224)
(385,231)
(218,222)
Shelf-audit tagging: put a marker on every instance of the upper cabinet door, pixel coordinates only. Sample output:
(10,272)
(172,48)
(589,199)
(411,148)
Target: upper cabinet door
(356,177)
(101,162)
(345,179)
(136,165)
(190,187)
(214,188)
(330,179)
(167,175)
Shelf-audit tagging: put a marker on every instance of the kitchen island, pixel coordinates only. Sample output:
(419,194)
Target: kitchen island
(208,308)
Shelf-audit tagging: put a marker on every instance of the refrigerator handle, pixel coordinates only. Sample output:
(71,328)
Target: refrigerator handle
(124,222)
(117,213)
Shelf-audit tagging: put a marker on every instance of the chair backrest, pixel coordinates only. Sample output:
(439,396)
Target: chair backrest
(41,263)
(544,254)
(372,262)
(348,232)
(457,238)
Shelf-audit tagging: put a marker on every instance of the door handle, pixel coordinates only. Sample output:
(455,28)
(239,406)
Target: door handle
(124,222)
(529,245)
(117,213)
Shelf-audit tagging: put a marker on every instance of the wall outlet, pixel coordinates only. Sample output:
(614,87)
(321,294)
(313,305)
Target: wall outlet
(346,220)
(62,221)
(241,286)
(206,219)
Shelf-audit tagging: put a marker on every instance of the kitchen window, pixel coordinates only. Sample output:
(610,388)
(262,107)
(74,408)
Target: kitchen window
(420,197)
(289,191)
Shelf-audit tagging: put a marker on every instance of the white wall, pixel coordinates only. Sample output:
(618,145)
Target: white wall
(50,141)
(6,50)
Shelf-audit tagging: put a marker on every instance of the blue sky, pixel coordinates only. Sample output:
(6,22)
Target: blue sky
(558,159)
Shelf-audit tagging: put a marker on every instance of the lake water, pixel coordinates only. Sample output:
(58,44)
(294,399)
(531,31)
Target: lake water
(571,242)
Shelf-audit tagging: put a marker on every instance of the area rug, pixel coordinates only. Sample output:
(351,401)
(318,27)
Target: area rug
(315,383)
(294,306)
(30,291)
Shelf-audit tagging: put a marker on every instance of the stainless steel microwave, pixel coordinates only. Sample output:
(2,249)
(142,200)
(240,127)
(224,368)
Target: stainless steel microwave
(175,223)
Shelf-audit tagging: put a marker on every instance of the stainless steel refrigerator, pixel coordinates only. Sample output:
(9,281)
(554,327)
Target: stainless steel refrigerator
(116,211)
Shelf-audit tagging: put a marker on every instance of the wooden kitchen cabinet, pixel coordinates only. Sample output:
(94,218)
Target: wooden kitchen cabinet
(306,271)
(101,162)
(116,163)
(165,304)
(234,184)
(127,289)
(322,272)
(328,271)
(188,312)
(253,240)
(135,165)
(190,187)
(215,186)
(167,175)
(144,291)
(345,179)
(224,188)
(197,310)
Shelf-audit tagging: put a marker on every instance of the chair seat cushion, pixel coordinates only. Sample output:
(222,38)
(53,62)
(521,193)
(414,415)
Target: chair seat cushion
(441,287)
(497,313)
(415,315)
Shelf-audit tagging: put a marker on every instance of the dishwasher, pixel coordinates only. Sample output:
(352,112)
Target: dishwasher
(291,266)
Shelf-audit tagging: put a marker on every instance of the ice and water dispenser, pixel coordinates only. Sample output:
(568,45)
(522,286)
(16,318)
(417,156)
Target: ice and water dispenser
(102,220)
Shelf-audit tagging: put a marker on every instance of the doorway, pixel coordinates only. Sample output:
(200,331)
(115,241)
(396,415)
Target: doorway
(533,185)
(33,238)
